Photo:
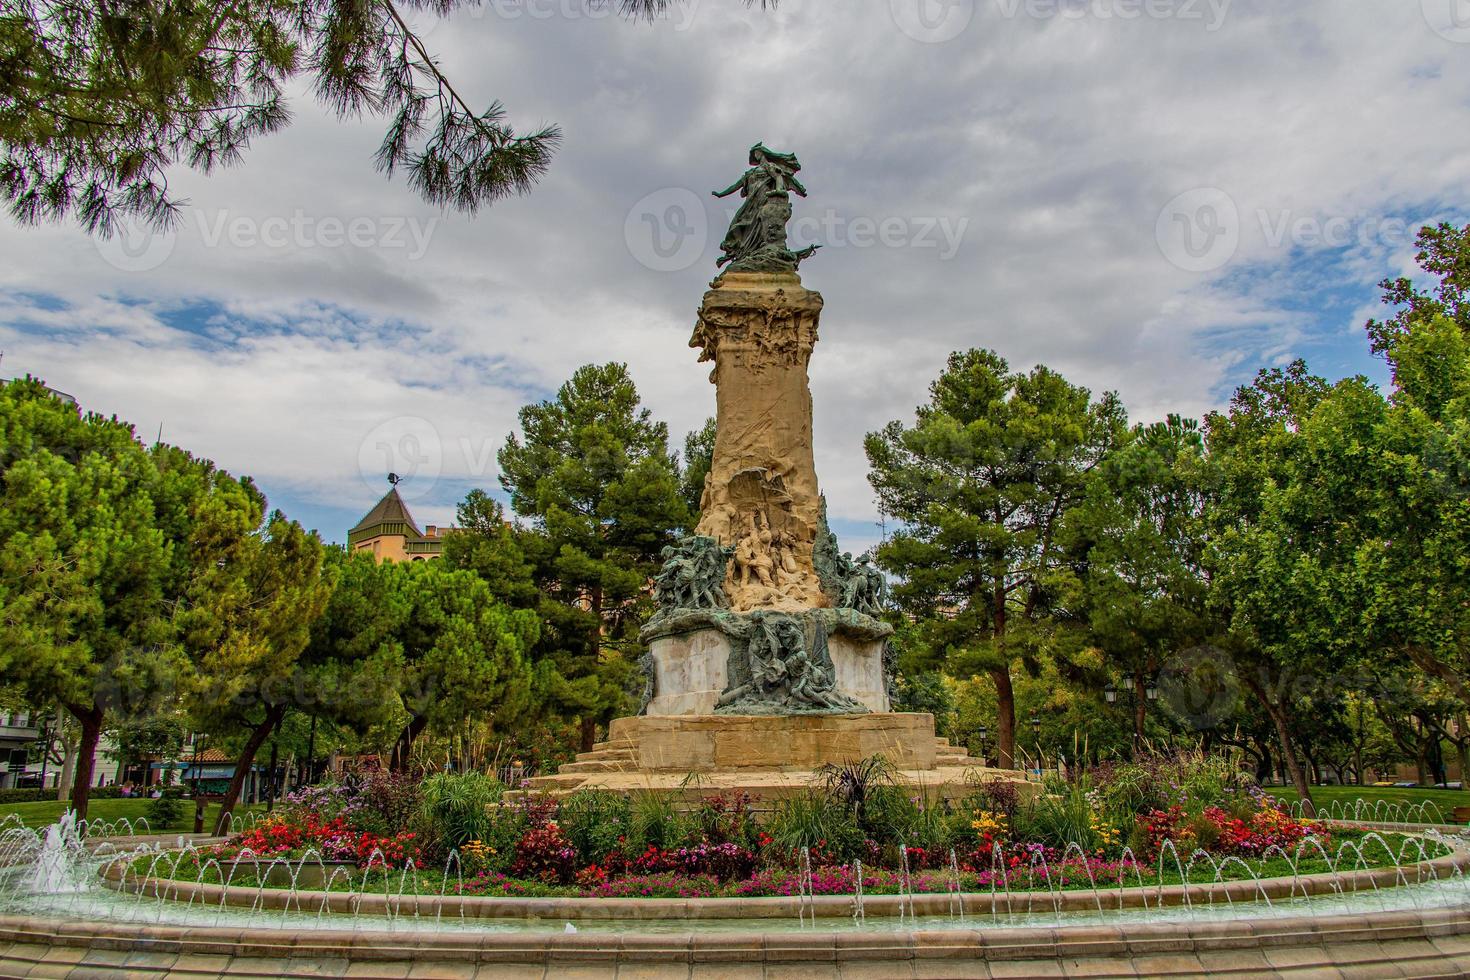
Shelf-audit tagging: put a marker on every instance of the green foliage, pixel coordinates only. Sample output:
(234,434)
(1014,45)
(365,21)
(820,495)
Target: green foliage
(852,784)
(164,811)
(1058,817)
(100,102)
(100,541)
(454,808)
(981,483)
(895,815)
(464,654)
(657,820)
(817,821)
(699,454)
(593,472)
(1444,252)
(596,823)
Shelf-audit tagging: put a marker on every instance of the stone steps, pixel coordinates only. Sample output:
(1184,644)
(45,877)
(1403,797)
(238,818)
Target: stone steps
(596,765)
(609,755)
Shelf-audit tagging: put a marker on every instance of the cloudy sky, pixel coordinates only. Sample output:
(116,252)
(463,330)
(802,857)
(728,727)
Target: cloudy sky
(1153,196)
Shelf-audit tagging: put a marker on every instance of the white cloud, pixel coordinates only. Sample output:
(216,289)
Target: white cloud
(1059,140)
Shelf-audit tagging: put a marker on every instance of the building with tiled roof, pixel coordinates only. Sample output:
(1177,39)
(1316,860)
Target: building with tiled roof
(389,532)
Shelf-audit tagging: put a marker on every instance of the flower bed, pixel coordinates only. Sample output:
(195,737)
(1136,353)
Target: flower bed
(1160,822)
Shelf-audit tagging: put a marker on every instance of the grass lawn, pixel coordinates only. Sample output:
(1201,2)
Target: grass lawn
(1325,796)
(49,811)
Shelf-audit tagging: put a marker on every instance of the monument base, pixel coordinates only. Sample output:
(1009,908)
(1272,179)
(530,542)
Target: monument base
(691,671)
(768,757)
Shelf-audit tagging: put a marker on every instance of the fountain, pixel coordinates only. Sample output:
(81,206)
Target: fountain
(62,886)
(58,865)
(767,663)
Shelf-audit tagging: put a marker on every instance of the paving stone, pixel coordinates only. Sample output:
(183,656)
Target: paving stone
(876,970)
(511,971)
(653,971)
(443,970)
(1290,957)
(379,970)
(1169,965)
(582,971)
(260,966)
(951,970)
(27,952)
(206,964)
(316,966)
(1026,968)
(1250,962)
(151,960)
(800,971)
(1102,966)
(106,957)
(1372,971)
(725,971)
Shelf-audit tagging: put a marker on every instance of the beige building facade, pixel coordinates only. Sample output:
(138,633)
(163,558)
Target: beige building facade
(388,531)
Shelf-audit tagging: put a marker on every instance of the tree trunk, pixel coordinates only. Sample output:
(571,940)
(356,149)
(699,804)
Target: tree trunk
(68,770)
(1005,718)
(270,778)
(1140,711)
(404,749)
(1005,695)
(1288,749)
(589,733)
(91,718)
(258,735)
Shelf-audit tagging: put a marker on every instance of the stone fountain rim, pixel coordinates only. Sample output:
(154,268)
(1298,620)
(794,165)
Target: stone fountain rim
(1008,943)
(118,878)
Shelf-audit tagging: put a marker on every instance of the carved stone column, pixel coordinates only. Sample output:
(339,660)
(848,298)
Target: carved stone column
(761,496)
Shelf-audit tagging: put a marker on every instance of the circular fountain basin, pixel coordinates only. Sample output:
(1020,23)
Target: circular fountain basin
(1006,903)
(1411,920)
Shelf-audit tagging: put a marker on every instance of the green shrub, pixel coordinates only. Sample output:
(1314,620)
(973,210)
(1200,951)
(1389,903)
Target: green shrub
(164,811)
(8,796)
(595,822)
(816,821)
(895,817)
(1056,819)
(454,808)
(656,820)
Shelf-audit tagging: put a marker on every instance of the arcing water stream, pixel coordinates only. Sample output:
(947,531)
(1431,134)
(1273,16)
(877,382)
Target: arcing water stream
(60,872)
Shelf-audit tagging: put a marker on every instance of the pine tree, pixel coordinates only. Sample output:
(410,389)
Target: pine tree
(98,101)
(981,484)
(593,472)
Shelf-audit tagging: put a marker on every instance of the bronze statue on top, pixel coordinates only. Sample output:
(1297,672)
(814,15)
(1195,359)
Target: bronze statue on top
(756,241)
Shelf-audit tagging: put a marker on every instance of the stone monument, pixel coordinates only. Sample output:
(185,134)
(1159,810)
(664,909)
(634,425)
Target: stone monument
(766,657)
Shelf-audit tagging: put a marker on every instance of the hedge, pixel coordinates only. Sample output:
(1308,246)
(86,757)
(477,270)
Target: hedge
(33,795)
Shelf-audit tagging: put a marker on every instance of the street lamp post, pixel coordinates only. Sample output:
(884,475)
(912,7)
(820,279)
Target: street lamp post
(984,734)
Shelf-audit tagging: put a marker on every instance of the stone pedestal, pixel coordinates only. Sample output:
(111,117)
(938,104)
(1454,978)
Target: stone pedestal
(761,493)
(691,671)
(769,757)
